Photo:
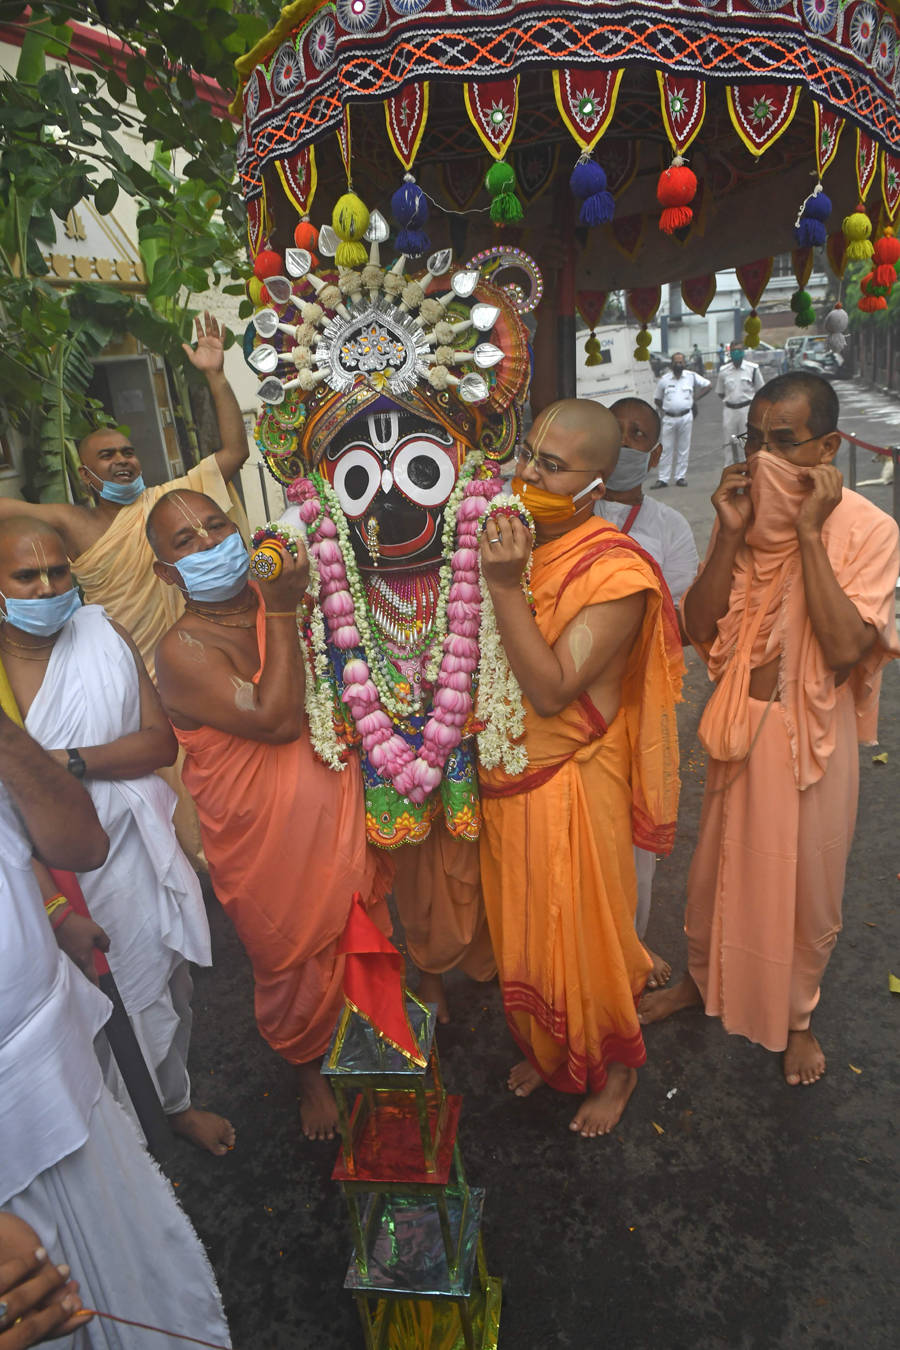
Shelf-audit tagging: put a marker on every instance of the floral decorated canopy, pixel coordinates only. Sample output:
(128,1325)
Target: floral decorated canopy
(763,99)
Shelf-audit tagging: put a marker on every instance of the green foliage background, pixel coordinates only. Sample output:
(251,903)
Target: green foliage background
(62,142)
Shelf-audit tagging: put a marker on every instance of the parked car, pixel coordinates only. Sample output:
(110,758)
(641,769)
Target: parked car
(771,360)
(811,352)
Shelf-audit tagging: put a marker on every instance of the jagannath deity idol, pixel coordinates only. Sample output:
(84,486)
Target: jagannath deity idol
(390,401)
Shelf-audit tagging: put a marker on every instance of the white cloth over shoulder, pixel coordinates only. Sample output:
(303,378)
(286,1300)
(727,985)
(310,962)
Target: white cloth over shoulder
(49,1014)
(146,895)
(109,1213)
(664,533)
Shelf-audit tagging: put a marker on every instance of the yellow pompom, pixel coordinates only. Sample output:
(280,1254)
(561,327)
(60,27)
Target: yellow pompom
(350,220)
(752,327)
(254,290)
(641,354)
(644,338)
(857,229)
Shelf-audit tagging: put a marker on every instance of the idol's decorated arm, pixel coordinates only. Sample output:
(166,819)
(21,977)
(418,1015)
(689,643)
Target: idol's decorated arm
(551,677)
(201,686)
(140,752)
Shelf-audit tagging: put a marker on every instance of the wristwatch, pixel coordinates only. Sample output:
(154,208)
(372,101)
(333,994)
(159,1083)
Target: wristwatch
(76,764)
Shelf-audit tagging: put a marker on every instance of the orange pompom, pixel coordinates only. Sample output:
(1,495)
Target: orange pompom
(307,236)
(268,263)
(676,187)
(886,255)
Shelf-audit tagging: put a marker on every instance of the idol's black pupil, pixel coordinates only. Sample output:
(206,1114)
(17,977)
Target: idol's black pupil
(356,482)
(423,471)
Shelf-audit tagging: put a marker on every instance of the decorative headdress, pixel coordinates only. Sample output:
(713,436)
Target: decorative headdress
(329,344)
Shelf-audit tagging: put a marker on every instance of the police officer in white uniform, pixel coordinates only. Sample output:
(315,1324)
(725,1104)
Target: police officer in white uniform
(676,394)
(736,384)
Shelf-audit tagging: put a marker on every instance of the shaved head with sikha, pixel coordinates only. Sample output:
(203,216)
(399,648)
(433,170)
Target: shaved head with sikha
(181,512)
(588,431)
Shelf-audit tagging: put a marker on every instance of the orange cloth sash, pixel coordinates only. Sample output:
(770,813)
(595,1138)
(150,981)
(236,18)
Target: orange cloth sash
(556,847)
(285,839)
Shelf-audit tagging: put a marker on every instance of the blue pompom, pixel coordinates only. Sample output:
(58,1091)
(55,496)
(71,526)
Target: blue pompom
(409,205)
(597,209)
(810,233)
(587,178)
(818,207)
(413,243)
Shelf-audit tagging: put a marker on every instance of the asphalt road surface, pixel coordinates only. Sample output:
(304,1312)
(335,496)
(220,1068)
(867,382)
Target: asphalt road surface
(727,1211)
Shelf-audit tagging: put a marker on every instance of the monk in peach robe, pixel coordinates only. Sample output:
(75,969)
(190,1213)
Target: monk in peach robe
(600,666)
(794,614)
(284,835)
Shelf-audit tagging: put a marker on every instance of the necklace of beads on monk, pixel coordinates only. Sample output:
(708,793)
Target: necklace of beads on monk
(222,622)
(22,652)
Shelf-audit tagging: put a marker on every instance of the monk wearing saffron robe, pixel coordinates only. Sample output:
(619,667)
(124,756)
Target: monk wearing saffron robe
(106,543)
(793,613)
(284,836)
(599,664)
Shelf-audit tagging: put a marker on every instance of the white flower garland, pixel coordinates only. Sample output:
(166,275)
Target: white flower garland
(498,705)
(318,690)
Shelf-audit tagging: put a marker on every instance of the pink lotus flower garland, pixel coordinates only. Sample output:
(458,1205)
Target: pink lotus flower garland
(413,775)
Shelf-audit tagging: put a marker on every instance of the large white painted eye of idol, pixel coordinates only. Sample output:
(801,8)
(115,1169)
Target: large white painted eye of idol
(424,472)
(356,479)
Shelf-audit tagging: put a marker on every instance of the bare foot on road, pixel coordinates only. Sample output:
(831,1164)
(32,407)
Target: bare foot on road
(523,1079)
(205,1129)
(804,1059)
(318,1109)
(602,1111)
(431,990)
(661,972)
(655,1007)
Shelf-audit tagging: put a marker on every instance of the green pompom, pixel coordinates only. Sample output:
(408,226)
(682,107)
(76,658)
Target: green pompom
(805,318)
(500,177)
(800,301)
(506,209)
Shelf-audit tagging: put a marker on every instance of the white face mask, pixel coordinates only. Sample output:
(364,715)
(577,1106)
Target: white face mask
(631,469)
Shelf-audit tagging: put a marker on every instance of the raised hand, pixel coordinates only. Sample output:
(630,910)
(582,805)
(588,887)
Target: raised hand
(505,549)
(208,355)
(827,489)
(731,500)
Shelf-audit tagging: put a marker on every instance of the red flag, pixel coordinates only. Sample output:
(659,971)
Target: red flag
(373,981)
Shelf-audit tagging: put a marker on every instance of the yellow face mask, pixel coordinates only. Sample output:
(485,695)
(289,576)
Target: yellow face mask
(549,508)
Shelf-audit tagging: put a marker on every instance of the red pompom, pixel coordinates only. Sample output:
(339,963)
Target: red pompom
(676,187)
(886,255)
(268,263)
(307,236)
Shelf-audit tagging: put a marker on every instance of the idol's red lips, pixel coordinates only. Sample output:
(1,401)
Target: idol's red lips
(411,545)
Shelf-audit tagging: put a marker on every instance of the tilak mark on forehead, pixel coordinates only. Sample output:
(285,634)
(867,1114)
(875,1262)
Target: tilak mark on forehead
(546,424)
(194,521)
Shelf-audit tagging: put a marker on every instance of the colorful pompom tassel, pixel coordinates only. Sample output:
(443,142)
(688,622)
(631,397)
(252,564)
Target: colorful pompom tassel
(500,181)
(835,324)
(642,345)
(409,207)
(886,254)
(810,230)
(802,305)
(857,229)
(676,187)
(752,328)
(873,297)
(588,182)
(307,236)
(257,292)
(350,220)
(268,263)
(593,351)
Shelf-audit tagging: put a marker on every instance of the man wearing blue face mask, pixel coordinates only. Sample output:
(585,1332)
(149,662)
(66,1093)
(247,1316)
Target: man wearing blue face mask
(106,544)
(736,385)
(665,534)
(85,696)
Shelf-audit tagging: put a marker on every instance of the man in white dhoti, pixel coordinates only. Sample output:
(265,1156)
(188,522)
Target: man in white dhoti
(71,1164)
(85,697)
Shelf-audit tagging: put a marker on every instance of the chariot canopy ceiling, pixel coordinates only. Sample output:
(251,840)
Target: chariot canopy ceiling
(764,99)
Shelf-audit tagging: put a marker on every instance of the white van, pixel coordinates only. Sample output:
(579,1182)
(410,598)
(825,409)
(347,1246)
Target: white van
(618,374)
